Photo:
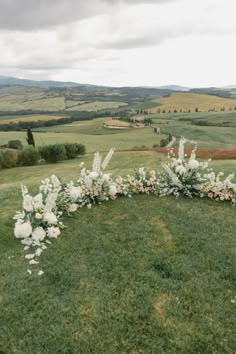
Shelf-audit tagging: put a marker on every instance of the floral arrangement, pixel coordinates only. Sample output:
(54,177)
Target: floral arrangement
(183,176)
(40,220)
(219,189)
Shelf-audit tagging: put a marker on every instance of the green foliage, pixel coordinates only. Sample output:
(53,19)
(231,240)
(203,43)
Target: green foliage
(71,151)
(53,153)
(9,158)
(15,144)
(30,137)
(164,142)
(29,156)
(80,148)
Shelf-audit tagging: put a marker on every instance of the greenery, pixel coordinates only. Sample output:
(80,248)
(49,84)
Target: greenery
(53,153)
(29,156)
(9,158)
(167,289)
(15,144)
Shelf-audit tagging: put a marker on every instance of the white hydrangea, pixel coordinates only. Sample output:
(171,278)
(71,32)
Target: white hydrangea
(53,232)
(193,164)
(38,234)
(22,230)
(50,218)
(106,177)
(75,192)
(73,207)
(93,175)
(112,190)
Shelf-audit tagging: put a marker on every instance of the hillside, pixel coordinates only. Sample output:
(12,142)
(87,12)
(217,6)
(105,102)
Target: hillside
(185,101)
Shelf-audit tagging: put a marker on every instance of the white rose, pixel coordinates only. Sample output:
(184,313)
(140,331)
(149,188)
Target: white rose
(106,177)
(53,232)
(193,164)
(50,217)
(112,190)
(38,216)
(27,203)
(93,175)
(22,230)
(38,234)
(73,207)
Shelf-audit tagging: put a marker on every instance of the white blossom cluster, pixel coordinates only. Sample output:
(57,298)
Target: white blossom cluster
(40,219)
(183,176)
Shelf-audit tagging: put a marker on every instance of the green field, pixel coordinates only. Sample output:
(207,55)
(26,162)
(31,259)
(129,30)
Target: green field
(139,275)
(136,275)
(178,124)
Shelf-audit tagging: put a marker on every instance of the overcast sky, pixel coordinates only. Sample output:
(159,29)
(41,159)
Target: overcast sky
(120,42)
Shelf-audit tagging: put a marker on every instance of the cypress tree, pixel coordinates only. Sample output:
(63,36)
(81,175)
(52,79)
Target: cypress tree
(30,137)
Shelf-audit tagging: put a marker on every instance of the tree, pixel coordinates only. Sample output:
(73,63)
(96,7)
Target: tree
(196,109)
(30,137)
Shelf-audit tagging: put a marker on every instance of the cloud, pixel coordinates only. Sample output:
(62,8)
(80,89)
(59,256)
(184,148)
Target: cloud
(28,15)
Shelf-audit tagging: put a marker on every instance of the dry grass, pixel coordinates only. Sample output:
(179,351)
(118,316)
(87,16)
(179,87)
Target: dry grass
(116,123)
(30,118)
(186,101)
(97,105)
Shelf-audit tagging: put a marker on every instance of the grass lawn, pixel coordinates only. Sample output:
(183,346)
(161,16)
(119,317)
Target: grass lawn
(139,275)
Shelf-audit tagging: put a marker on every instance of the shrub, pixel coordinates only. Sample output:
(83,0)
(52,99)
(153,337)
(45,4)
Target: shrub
(29,156)
(164,142)
(1,166)
(80,149)
(15,144)
(9,158)
(53,153)
(71,151)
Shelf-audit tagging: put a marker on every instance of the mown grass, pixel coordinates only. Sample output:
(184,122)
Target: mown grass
(139,275)
(97,139)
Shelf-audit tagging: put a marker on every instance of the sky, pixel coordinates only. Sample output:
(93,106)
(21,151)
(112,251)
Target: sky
(120,42)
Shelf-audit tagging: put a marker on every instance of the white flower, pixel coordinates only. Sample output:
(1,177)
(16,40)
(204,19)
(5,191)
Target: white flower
(27,203)
(106,177)
(38,252)
(112,190)
(38,216)
(29,256)
(29,271)
(93,175)
(33,262)
(38,201)
(22,230)
(55,181)
(75,192)
(38,234)
(141,172)
(50,217)
(27,241)
(53,232)
(193,164)
(180,169)
(73,207)
(40,272)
